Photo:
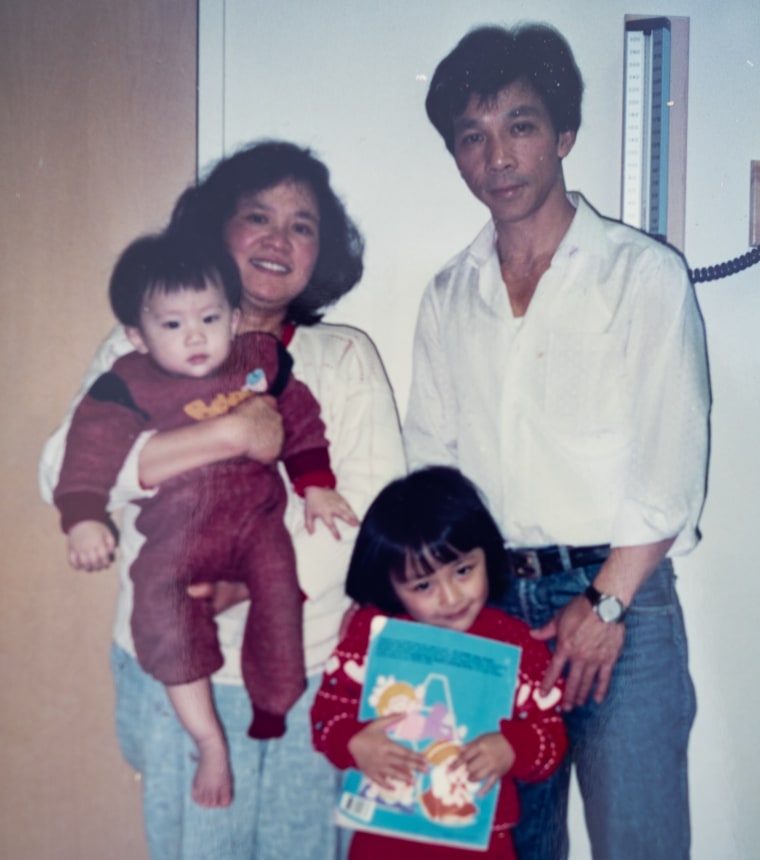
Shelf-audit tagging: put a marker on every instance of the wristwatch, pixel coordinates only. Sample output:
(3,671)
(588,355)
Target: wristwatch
(606,606)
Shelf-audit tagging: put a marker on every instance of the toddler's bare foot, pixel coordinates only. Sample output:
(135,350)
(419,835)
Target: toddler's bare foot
(212,785)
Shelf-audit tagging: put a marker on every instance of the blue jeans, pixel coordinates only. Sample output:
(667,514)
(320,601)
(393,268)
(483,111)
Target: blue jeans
(629,751)
(284,791)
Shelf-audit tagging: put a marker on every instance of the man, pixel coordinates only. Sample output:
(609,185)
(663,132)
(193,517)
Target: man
(560,363)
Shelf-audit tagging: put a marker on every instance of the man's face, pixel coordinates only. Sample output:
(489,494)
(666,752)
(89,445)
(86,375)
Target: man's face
(509,154)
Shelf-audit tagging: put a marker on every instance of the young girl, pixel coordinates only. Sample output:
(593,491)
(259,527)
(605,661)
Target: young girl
(429,551)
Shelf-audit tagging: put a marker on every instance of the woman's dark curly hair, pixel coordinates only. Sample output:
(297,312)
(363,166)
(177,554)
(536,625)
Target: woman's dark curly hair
(205,209)
(488,59)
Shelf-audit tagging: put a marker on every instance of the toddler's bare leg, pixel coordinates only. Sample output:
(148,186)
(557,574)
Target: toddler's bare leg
(194,705)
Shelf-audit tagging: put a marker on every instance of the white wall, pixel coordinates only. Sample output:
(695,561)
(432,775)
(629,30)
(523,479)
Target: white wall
(349,77)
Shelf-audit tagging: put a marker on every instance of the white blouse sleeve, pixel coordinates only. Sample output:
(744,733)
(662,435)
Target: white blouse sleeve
(366,452)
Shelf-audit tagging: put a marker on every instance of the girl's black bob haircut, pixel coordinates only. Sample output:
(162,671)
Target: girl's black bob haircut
(434,513)
(205,210)
(488,59)
(168,263)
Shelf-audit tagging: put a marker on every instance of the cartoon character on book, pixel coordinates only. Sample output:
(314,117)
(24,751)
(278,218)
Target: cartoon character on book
(449,795)
(427,710)
(426,715)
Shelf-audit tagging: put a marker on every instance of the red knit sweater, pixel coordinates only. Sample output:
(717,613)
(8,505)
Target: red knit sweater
(535,731)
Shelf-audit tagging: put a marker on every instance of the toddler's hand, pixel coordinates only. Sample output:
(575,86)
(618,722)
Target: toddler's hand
(322,503)
(488,758)
(91,545)
(382,759)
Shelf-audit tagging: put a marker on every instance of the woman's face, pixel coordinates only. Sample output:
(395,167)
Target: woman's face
(274,239)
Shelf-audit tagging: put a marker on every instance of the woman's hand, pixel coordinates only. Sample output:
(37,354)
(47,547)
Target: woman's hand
(253,429)
(381,759)
(221,595)
(91,545)
(322,503)
(488,758)
(260,428)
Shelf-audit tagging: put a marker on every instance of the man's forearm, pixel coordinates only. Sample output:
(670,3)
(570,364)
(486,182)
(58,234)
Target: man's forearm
(627,568)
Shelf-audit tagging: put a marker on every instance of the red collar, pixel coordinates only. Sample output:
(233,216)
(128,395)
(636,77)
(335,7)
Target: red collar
(288,330)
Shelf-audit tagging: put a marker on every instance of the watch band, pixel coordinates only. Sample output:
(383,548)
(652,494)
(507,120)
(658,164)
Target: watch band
(609,608)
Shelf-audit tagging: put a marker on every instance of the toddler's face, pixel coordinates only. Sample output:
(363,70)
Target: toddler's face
(187,333)
(452,596)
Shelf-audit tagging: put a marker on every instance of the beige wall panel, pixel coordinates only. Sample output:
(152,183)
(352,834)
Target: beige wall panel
(97,138)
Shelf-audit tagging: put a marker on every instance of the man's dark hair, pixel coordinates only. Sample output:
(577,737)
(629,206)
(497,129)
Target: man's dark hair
(168,263)
(489,59)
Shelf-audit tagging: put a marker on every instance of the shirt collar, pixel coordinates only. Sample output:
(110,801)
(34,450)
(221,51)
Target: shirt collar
(584,233)
(483,245)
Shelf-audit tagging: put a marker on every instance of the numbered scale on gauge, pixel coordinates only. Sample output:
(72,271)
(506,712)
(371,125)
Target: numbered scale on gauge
(646,125)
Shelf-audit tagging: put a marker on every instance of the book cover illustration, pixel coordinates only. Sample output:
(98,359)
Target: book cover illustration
(450,688)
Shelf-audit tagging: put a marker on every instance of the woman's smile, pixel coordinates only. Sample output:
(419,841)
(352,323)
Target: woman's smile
(274,239)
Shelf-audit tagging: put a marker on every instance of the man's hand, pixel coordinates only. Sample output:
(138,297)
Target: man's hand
(588,645)
(261,425)
(382,759)
(91,545)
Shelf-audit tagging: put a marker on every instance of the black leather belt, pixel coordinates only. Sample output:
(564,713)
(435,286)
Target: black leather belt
(528,563)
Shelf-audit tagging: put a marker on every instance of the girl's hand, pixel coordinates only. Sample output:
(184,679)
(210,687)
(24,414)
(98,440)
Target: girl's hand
(322,503)
(488,758)
(381,759)
(91,545)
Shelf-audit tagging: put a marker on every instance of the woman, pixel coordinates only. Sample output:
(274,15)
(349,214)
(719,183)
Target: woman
(297,252)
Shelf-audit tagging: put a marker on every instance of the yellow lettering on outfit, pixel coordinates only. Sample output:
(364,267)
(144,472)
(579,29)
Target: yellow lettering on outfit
(220,405)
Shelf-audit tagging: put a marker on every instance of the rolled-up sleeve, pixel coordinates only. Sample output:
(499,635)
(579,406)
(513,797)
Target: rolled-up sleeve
(666,363)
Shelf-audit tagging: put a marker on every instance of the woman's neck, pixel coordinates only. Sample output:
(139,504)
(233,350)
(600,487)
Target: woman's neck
(257,321)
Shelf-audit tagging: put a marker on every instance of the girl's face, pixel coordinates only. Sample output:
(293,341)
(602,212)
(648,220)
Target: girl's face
(274,239)
(452,596)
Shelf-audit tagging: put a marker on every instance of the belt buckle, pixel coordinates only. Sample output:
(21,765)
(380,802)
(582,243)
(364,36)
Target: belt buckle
(529,566)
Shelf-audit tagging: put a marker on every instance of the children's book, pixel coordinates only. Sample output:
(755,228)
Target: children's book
(451,687)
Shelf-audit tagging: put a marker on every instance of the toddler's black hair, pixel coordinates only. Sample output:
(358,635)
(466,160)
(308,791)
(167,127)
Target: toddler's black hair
(168,262)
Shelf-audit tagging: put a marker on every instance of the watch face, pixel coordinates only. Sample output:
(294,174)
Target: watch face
(609,608)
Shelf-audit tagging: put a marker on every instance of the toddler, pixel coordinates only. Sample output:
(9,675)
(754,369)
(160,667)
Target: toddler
(179,305)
